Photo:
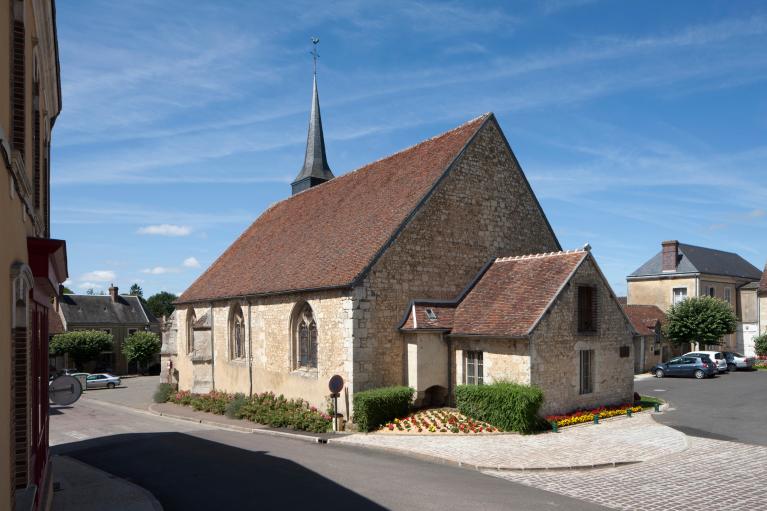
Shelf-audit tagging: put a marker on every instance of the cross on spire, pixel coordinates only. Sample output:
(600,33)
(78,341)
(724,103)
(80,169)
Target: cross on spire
(315,55)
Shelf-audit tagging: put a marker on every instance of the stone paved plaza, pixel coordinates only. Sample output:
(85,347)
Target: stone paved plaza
(726,475)
(618,440)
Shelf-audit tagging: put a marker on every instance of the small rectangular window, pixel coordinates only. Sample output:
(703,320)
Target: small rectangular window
(625,351)
(431,314)
(711,291)
(587,309)
(727,295)
(680,293)
(586,371)
(474,374)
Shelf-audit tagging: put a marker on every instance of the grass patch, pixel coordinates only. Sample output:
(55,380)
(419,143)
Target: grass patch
(649,402)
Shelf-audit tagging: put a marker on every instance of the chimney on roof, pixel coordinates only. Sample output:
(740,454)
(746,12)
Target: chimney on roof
(316,169)
(113,292)
(670,255)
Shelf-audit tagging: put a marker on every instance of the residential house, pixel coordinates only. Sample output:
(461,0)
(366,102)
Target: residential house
(319,283)
(650,347)
(116,314)
(32,263)
(682,271)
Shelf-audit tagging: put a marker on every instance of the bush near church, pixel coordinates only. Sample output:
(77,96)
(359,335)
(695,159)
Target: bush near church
(760,345)
(508,406)
(375,407)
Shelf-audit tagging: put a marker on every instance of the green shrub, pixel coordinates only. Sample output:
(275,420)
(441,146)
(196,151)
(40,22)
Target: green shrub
(279,412)
(375,407)
(508,406)
(233,407)
(163,393)
(760,345)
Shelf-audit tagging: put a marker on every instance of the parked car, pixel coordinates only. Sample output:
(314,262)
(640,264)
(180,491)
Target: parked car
(700,367)
(716,356)
(101,381)
(737,361)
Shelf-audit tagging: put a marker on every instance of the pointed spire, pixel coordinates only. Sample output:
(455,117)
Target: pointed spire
(316,169)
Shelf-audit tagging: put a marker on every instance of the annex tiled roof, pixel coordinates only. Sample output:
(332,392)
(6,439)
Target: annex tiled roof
(506,299)
(694,259)
(763,281)
(326,236)
(644,318)
(100,309)
(55,326)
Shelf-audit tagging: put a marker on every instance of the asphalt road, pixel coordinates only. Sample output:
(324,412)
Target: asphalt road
(190,466)
(731,407)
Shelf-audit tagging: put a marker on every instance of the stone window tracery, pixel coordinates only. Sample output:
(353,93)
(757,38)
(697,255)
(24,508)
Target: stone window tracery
(191,317)
(306,339)
(237,333)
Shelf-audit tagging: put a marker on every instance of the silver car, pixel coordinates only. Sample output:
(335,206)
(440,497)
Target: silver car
(737,361)
(101,381)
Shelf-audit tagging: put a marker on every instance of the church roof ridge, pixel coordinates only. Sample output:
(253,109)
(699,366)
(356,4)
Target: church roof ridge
(540,255)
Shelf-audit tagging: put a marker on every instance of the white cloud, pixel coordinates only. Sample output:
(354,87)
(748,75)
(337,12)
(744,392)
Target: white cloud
(166,230)
(159,270)
(67,282)
(99,276)
(89,285)
(191,262)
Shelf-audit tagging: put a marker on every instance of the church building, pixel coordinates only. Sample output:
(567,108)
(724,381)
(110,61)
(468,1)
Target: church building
(432,267)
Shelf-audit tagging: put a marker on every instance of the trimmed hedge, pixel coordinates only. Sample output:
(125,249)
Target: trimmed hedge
(373,408)
(508,406)
(163,393)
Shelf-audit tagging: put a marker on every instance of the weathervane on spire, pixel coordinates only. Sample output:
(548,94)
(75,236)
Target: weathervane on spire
(315,55)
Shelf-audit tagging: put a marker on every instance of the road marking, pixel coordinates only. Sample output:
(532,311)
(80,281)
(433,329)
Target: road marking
(659,390)
(77,435)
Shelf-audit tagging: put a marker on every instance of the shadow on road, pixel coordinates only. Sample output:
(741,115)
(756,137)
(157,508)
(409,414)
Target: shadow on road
(185,472)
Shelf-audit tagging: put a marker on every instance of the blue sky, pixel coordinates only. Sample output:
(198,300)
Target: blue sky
(635,122)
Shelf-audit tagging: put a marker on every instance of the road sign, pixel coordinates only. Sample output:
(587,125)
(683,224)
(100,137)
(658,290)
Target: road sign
(64,390)
(336,384)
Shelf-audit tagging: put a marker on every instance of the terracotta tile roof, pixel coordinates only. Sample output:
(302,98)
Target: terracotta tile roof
(326,236)
(644,318)
(507,298)
(55,326)
(763,281)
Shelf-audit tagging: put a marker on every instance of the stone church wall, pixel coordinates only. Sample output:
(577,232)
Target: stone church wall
(483,209)
(555,343)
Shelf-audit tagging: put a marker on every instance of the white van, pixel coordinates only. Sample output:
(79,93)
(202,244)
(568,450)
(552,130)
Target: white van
(717,356)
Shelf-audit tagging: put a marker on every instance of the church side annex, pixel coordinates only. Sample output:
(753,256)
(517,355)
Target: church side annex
(318,284)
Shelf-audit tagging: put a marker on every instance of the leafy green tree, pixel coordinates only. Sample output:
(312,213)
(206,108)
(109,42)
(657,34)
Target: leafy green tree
(136,290)
(81,345)
(703,320)
(141,347)
(161,304)
(67,291)
(760,345)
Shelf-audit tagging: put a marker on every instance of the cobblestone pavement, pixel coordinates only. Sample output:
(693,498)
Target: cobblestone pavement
(732,472)
(617,440)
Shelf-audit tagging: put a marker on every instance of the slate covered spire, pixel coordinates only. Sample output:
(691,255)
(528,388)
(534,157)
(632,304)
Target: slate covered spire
(316,169)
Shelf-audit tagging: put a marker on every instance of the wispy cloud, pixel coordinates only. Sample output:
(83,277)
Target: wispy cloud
(160,270)
(99,276)
(166,230)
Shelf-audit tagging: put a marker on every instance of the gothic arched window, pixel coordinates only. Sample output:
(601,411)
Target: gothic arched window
(191,317)
(236,333)
(305,338)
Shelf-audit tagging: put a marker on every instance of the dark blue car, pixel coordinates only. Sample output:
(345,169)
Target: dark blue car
(700,367)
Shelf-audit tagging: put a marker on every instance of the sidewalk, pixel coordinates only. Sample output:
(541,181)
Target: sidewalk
(86,488)
(175,411)
(617,441)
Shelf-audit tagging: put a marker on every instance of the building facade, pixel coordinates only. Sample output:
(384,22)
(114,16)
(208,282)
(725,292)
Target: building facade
(650,346)
(116,314)
(682,271)
(34,264)
(317,285)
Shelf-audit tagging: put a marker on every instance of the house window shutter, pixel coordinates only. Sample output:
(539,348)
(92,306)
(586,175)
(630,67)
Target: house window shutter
(587,309)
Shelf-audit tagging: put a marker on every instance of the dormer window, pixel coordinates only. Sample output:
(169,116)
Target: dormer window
(430,314)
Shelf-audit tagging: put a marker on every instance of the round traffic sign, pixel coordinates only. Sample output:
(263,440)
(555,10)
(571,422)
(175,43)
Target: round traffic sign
(65,390)
(336,384)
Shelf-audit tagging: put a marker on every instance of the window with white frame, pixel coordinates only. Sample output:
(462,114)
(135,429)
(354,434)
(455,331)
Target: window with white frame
(236,333)
(586,371)
(727,295)
(711,291)
(474,368)
(680,294)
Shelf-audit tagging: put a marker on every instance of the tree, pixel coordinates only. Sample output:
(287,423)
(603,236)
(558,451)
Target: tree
(90,291)
(67,291)
(161,304)
(703,320)
(141,347)
(136,290)
(81,345)
(760,345)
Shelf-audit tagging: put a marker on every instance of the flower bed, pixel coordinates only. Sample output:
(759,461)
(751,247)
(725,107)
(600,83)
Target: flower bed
(439,420)
(265,408)
(581,416)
